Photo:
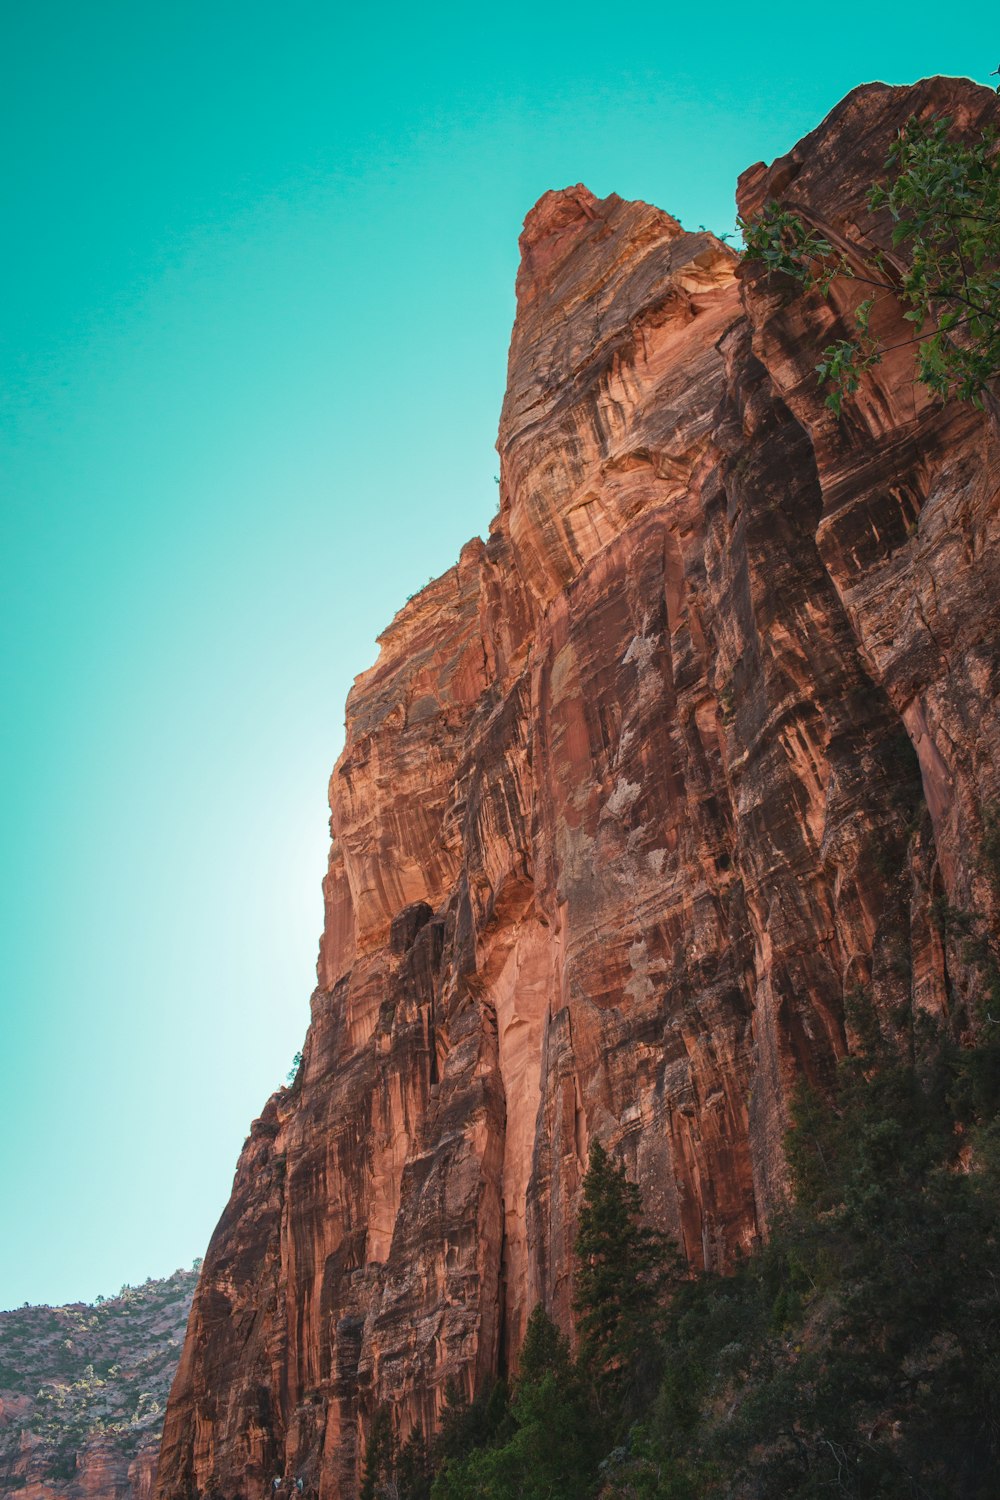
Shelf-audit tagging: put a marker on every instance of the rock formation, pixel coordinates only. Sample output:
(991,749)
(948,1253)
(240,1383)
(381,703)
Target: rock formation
(634,799)
(83,1389)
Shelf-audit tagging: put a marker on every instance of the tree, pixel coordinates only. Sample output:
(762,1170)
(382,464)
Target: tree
(414,1471)
(380,1453)
(624,1272)
(466,1425)
(293,1072)
(857,1353)
(943,198)
(545,1351)
(547,1448)
(394,1470)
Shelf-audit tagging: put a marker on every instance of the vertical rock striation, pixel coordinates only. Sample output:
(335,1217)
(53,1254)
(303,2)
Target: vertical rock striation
(634,798)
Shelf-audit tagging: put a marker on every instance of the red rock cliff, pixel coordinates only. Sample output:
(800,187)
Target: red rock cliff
(633,797)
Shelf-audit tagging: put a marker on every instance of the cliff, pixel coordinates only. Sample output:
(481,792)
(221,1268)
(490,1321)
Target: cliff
(633,799)
(83,1390)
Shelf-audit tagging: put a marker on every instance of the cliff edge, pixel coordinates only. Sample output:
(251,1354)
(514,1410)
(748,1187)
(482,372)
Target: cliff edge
(632,800)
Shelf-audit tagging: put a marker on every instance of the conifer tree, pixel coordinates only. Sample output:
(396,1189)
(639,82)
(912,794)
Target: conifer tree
(414,1471)
(380,1452)
(624,1272)
(548,1448)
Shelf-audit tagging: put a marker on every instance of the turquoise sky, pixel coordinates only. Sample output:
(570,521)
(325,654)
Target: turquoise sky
(258,268)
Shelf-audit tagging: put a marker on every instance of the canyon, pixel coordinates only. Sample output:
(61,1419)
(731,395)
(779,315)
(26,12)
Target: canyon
(637,795)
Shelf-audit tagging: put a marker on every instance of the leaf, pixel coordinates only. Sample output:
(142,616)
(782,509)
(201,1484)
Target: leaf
(863,312)
(943,195)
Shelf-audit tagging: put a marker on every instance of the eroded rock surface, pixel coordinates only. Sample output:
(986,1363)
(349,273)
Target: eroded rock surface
(635,797)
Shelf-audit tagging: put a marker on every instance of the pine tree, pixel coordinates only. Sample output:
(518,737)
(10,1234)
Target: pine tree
(548,1448)
(545,1351)
(624,1273)
(380,1452)
(413,1469)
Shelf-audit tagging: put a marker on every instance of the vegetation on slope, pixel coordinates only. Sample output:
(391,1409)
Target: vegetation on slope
(71,1376)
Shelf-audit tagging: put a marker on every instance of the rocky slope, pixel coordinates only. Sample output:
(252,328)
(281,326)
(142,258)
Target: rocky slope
(704,738)
(83,1390)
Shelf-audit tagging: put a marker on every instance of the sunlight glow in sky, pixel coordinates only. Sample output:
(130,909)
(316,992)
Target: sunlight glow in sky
(258,269)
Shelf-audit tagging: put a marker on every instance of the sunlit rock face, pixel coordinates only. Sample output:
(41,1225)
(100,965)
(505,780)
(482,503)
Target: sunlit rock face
(632,801)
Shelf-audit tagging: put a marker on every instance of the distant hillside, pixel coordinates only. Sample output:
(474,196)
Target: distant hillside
(83,1389)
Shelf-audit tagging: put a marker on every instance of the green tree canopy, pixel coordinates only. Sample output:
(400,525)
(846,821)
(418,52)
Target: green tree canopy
(942,196)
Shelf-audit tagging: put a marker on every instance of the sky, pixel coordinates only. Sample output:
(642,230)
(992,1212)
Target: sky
(258,267)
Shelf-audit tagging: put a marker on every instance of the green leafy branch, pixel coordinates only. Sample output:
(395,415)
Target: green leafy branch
(943,197)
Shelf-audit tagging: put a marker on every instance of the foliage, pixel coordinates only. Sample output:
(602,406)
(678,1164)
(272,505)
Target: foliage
(546,1446)
(83,1374)
(943,198)
(624,1271)
(466,1425)
(856,1354)
(394,1470)
(379,1452)
(414,1468)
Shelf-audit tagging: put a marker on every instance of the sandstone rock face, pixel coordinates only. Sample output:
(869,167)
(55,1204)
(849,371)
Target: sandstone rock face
(635,797)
